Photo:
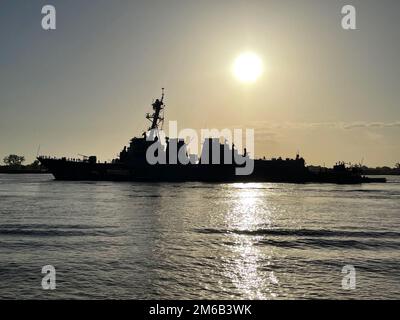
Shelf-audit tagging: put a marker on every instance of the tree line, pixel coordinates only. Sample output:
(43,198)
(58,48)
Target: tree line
(16,162)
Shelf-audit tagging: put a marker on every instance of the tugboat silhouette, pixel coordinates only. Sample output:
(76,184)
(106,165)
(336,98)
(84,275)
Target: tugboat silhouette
(133,165)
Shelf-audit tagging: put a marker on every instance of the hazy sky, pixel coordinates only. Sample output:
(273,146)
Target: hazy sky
(85,87)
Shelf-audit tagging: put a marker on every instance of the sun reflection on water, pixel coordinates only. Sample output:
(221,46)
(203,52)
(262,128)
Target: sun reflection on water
(248,267)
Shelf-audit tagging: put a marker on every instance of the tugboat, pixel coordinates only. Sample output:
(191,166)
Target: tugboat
(341,174)
(133,165)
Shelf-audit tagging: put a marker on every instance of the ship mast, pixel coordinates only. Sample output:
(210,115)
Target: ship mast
(157,118)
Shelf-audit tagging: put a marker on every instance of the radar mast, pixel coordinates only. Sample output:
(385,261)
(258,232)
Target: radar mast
(157,118)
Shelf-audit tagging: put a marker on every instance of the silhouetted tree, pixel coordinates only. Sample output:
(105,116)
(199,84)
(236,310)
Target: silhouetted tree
(35,165)
(14,160)
(398,165)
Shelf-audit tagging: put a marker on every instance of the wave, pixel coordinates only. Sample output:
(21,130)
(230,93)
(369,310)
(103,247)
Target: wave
(149,196)
(304,233)
(314,238)
(44,230)
(331,243)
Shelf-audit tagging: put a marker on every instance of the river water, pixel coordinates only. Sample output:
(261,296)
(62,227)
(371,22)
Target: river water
(197,240)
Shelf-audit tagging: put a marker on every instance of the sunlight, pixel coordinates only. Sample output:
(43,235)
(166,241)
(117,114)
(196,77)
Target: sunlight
(248,67)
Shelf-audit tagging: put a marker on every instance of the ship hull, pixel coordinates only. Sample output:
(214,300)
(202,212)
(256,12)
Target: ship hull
(264,171)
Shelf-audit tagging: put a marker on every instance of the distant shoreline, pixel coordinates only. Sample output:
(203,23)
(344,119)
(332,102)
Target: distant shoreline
(378,171)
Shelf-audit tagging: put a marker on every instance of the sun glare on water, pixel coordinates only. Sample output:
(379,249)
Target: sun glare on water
(248,67)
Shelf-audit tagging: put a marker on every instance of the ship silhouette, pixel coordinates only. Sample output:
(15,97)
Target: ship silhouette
(133,165)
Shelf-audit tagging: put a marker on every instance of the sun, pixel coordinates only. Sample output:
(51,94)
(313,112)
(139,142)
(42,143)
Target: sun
(248,67)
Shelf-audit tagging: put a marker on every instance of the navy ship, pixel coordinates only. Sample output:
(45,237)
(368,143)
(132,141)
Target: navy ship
(133,165)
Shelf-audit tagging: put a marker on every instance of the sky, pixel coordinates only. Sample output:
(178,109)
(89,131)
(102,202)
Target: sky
(84,88)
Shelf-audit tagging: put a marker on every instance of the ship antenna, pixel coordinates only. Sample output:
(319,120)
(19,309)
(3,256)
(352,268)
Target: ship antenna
(163,110)
(157,118)
(162,95)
